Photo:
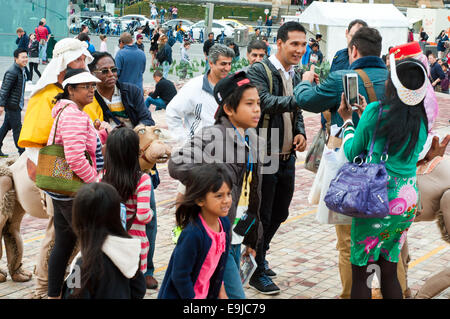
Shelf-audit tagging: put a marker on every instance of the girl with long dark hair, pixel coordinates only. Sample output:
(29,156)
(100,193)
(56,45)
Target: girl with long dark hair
(122,171)
(198,261)
(109,262)
(404,126)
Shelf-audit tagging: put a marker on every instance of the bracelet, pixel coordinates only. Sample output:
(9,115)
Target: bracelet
(347,123)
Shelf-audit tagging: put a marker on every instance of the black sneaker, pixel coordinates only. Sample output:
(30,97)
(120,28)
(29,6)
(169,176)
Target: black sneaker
(269,272)
(3,155)
(264,284)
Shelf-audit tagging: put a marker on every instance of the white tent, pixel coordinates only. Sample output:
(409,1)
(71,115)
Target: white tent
(332,19)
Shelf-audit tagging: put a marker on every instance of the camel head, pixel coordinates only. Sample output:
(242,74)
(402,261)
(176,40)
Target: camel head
(152,149)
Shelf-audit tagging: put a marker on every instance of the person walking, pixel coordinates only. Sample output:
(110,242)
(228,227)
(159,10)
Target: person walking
(103,43)
(234,131)
(109,260)
(33,59)
(44,21)
(280,111)
(122,171)
(206,46)
(441,40)
(74,130)
(269,23)
(12,96)
(184,59)
(22,40)
(402,133)
(164,55)
(154,45)
(196,267)
(42,37)
(130,62)
(436,72)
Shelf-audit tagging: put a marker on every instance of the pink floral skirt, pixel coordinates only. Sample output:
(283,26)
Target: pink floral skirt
(371,237)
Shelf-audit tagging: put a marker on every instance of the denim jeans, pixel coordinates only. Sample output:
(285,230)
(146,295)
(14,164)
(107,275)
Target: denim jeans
(43,52)
(166,68)
(160,104)
(13,121)
(231,276)
(150,230)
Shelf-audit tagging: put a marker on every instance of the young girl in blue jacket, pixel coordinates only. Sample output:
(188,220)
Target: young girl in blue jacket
(198,261)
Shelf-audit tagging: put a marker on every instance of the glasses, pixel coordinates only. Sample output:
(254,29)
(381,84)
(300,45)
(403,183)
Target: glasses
(87,86)
(106,71)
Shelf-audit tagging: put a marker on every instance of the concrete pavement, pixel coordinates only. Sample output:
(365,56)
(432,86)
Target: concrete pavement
(303,252)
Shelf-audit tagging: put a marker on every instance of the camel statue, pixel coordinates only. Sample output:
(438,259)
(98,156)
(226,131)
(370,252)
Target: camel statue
(16,200)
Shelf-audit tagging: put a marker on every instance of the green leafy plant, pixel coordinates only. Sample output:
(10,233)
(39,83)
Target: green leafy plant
(323,69)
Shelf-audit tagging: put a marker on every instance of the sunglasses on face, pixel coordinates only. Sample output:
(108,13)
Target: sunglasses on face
(106,71)
(87,86)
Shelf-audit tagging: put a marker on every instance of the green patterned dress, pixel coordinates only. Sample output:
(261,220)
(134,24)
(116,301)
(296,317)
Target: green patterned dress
(371,237)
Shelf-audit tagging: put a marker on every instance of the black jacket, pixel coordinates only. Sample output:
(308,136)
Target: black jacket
(33,51)
(207,45)
(11,90)
(275,104)
(22,42)
(165,90)
(113,284)
(133,101)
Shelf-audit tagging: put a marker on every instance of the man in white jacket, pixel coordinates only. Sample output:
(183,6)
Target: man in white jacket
(194,105)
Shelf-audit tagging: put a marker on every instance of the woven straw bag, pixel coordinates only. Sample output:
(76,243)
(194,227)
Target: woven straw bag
(53,173)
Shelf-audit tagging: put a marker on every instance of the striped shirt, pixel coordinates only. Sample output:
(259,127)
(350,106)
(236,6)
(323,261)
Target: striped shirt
(77,134)
(139,204)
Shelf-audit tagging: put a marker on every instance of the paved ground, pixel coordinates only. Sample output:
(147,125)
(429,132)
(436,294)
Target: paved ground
(302,253)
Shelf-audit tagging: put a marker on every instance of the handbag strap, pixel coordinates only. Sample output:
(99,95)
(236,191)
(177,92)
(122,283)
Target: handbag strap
(380,111)
(56,124)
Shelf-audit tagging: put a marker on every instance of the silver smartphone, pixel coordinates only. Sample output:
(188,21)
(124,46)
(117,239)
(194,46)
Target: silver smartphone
(350,82)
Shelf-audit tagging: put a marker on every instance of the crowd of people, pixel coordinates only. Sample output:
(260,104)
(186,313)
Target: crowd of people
(247,126)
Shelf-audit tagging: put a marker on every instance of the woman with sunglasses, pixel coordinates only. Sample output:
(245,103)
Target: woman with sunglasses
(115,103)
(73,129)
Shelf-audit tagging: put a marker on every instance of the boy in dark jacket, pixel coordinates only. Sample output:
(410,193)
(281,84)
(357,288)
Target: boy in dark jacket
(12,98)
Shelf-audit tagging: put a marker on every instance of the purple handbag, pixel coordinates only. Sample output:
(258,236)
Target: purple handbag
(360,187)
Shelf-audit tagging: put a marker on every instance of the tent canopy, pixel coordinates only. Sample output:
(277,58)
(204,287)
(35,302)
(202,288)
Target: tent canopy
(341,14)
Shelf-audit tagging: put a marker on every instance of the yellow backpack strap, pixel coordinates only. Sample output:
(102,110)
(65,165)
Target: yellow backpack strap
(368,85)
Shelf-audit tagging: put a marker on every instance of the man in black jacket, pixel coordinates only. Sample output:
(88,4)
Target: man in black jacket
(280,113)
(164,92)
(206,46)
(12,97)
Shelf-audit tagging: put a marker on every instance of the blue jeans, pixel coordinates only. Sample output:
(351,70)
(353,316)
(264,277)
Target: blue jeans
(150,230)
(231,276)
(43,52)
(166,68)
(13,121)
(159,102)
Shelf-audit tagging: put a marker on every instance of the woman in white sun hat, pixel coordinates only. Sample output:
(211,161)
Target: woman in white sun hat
(76,132)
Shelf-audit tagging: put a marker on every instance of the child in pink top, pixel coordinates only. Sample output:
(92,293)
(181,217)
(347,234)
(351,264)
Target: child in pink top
(198,261)
(122,170)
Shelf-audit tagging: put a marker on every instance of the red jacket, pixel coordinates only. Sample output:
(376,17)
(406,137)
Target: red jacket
(41,33)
